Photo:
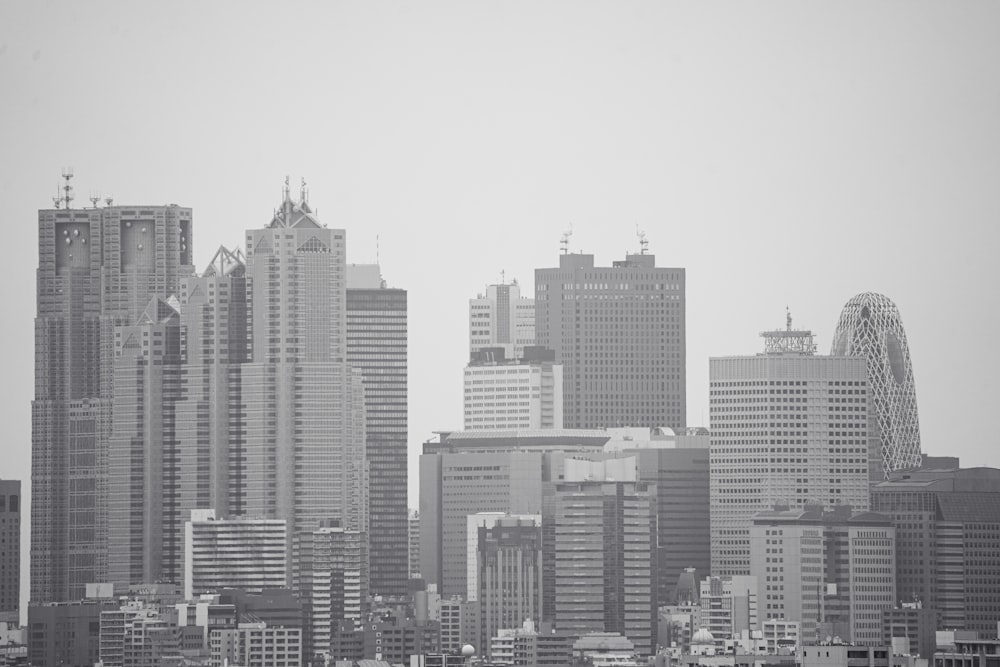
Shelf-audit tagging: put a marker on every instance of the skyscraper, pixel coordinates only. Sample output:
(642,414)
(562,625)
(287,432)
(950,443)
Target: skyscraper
(501,318)
(98,269)
(870,327)
(301,406)
(10,550)
(141,473)
(619,333)
(523,393)
(376,346)
(787,426)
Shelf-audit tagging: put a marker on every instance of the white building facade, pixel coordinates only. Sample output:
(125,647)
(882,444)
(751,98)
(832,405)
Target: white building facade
(513,395)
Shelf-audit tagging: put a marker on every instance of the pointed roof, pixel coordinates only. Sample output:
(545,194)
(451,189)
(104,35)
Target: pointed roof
(160,311)
(226,262)
(294,214)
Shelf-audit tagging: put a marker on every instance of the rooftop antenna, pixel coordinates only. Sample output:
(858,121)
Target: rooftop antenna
(503,277)
(788,318)
(377,250)
(564,242)
(643,241)
(94,198)
(57,200)
(67,175)
(287,191)
(109,200)
(303,193)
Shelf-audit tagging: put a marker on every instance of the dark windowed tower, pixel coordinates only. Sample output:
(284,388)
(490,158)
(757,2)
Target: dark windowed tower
(376,346)
(10,550)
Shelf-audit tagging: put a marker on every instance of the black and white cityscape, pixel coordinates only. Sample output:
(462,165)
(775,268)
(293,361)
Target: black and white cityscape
(629,335)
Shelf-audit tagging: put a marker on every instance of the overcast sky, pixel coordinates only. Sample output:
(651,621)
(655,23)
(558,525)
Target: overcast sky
(783,153)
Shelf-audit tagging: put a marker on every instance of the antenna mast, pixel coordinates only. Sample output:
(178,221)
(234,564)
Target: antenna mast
(67,197)
(643,241)
(564,242)
(94,198)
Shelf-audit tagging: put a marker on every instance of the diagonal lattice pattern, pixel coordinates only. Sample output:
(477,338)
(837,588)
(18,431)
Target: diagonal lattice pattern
(870,327)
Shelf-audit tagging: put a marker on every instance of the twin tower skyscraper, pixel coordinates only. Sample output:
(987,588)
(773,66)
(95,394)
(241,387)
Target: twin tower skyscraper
(242,390)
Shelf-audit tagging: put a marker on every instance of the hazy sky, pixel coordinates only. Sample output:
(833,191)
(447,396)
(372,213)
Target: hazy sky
(783,153)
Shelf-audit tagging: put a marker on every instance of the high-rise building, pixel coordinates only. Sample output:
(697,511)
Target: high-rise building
(208,433)
(333,582)
(98,269)
(523,393)
(501,318)
(787,426)
(376,346)
(619,333)
(831,571)
(249,554)
(510,570)
(604,552)
(870,327)
(140,459)
(10,550)
(302,451)
(948,534)
(484,471)
(729,605)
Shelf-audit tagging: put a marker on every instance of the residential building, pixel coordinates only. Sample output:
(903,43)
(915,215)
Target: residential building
(948,531)
(729,605)
(830,571)
(513,393)
(249,554)
(509,574)
(98,269)
(460,625)
(377,347)
(502,318)
(787,426)
(413,543)
(334,581)
(604,552)
(10,551)
(619,334)
(870,327)
(302,451)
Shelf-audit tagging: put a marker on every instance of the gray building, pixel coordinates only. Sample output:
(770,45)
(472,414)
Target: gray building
(948,530)
(603,554)
(97,269)
(301,405)
(619,333)
(66,633)
(10,550)
(377,347)
(468,472)
(787,426)
(501,318)
(510,571)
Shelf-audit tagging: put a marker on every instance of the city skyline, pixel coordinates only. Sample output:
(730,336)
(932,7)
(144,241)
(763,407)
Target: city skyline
(889,148)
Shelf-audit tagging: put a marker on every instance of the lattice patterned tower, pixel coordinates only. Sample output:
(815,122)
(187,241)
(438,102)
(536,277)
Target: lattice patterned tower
(870,327)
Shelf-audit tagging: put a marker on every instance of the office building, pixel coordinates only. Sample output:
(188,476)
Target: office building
(948,533)
(830,571)
(913,624)
(523,393)
(510,569)
(140,461)
(10,550)
(459,622)
(787,426)
(729,606)
(334,578)
(66,633)
(619,334)
(249,554)
(207,430)
(258,644)
(870,327)
(98,269)
(604,552)
(464,473)
(302,451)
(501,318)
(377,347)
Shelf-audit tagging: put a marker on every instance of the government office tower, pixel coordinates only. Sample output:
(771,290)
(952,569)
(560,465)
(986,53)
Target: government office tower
(619,333)
(98,269)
